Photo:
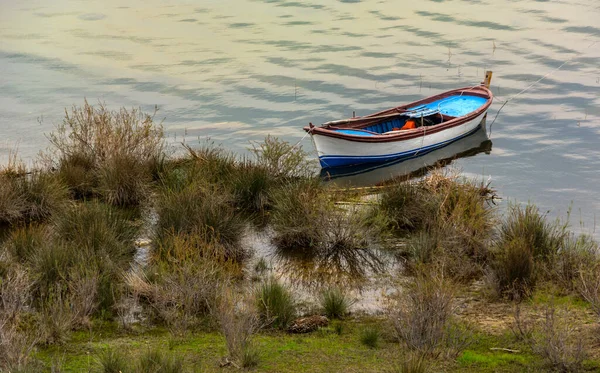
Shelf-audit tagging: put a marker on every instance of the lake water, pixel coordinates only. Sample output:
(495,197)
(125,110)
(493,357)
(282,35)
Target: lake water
(238,70)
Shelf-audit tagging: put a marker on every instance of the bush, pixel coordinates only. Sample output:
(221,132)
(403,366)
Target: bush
(407,205)
(110,153)
(559,343)
(513,269)
(275,304)
(370,336)
(238,324)
(320,242)
(298,214)
(182,285)
(16,342)
(448,220)
(306,220)
(123,181)
(543,239)
(335,303)
(282,160)
(424,313)
(56,319)
(98,230)
(588,286)
(252,187)
(203,212)
(29,196)
(578,254)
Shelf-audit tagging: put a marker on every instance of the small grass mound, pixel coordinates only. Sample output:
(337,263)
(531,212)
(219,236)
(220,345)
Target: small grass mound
(275,303)
(335,303)
(370,337)
(113,360)
(159,361)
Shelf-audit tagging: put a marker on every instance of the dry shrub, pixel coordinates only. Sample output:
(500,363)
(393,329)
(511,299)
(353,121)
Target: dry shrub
(238,321)
(307,222)
(110,153)
(544,239)
(559,342)
(28,196)
(449,221)
(522,326)
(16,343)
(577,255)
(527,247)
(204,212)
(513,270)
(588,286)
(422,314)
(282,160)
(181,286)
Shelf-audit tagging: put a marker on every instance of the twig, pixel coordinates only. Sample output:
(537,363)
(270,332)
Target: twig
(505,349)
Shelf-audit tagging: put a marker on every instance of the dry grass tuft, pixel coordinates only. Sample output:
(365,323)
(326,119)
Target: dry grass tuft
(422,315)
(107,153)
(559,342)
(238,321)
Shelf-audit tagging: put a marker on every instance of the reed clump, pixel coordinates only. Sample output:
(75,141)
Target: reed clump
(202,211)
(275,304)
(109,154)
(370,336)
(446,220)
(335,303)
(305,218)
(159,361)
(29,196)
(529,249)
(113,360)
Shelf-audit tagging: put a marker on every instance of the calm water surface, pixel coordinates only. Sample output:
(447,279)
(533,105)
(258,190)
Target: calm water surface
(238,70)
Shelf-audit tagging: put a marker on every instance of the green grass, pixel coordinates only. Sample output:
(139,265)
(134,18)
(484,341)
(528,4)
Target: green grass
(282,352)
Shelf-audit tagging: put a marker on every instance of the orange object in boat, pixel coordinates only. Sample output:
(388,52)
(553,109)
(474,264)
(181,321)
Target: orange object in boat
(409,124)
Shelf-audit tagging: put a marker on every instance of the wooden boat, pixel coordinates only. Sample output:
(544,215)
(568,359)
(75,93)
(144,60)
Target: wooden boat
(375,174)
(402,132)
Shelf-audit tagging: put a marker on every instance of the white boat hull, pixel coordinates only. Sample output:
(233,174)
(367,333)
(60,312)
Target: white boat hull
(334,152)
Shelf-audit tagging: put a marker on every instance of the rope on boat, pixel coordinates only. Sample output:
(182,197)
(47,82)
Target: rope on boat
(536,82)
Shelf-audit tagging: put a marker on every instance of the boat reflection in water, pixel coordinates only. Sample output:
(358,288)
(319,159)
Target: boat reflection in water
(378,173)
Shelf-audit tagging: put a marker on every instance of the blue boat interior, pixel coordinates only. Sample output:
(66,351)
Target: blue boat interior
(429,114)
